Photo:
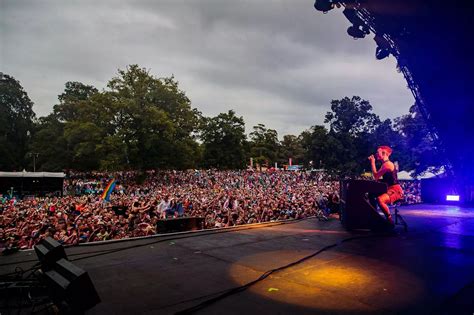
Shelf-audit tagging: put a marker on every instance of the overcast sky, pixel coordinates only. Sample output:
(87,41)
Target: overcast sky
(274,62)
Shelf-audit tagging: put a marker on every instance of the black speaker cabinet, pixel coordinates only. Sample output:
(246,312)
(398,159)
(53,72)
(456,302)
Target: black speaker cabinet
(179,225)
(49,251)
(356,209)
(71,286)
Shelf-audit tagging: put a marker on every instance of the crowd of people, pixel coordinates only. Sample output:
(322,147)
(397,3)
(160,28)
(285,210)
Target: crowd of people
(222,198)
(411,192)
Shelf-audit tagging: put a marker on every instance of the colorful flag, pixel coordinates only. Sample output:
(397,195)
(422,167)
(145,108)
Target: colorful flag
(108,190)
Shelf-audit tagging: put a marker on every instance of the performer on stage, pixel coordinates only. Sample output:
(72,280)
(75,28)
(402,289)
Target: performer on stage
(388,175)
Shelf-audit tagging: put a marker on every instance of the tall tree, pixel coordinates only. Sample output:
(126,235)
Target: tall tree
(224,140)
(291,147)
(264,145)
(422,150)
(351,123)
(351,115)
(75,95)
(68,137)
(49,141)
(323,148)
(140,122)
(16,123)
(155,120)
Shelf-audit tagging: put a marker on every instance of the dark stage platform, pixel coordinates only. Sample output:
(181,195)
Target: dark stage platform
(428,269)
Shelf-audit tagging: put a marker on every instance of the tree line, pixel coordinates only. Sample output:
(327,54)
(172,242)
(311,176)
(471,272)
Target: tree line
(144,122)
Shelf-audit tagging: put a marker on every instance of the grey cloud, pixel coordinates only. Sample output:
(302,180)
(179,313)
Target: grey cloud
(275,62)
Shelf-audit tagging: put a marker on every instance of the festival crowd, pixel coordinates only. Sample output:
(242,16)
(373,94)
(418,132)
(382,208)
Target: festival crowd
(222,198)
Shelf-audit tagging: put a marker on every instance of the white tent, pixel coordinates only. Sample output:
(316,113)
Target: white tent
(32,174)
(404,175)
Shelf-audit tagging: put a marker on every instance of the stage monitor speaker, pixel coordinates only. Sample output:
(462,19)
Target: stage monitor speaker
(179,225)
(49,251)
(71,287)
(356,209)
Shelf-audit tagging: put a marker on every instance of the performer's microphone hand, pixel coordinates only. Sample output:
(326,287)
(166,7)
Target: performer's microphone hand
(371,158)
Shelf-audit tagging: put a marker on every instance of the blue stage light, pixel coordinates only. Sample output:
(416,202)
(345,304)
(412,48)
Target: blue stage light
(452,197)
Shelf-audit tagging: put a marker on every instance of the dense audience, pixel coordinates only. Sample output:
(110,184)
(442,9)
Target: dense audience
(411,192)
(223,198)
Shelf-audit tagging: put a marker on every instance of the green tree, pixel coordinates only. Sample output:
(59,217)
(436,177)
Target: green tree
(264,145)
(224,140)
(68,137)
(16,123)
(324,149)
(154,119)
(83,139)
(74,97)
(421,149)
(50,143)
(351,124)
(140,122)
(351,116)
(291,147)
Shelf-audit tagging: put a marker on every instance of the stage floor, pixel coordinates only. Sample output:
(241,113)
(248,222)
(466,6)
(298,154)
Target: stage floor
(428,269)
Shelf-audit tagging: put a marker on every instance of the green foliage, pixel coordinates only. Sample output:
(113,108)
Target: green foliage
(154,119)
(224,140)
(291,147)
(355,133)
(49,141)
(16,124)
(140,122)
(264,145)
(351,116)
(112,151)
(332,151)
(144,122)
(75,96)
(422,150)
(82,138)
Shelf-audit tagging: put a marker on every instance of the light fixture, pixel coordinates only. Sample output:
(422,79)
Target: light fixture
(381,53)
(323,5)
(355,32)
(452,197)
